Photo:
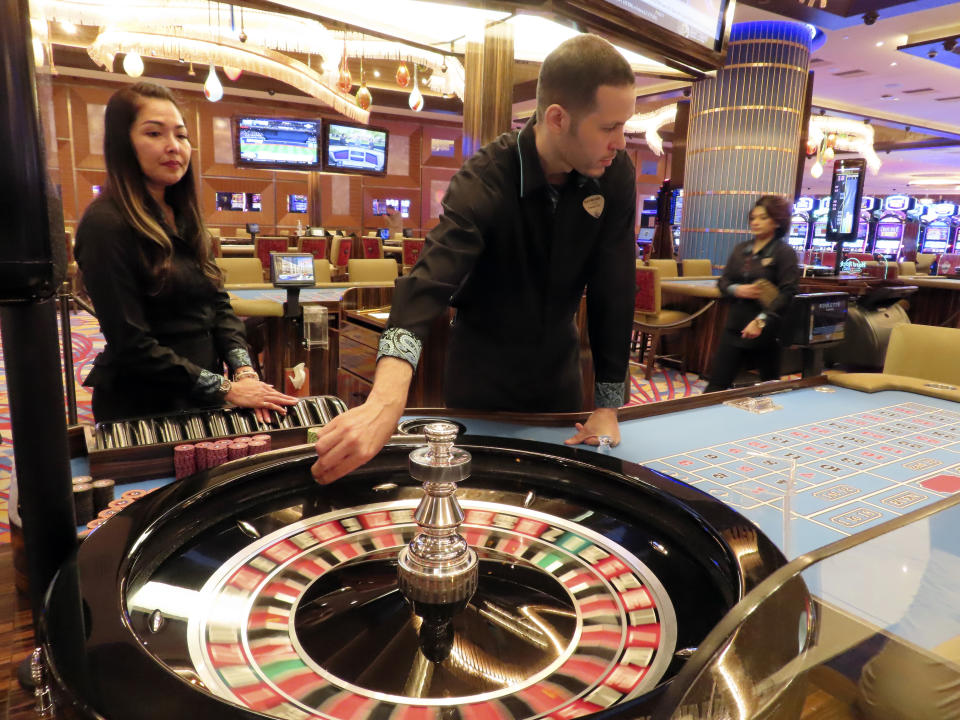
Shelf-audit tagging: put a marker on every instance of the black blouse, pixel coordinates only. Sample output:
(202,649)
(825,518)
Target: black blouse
(168,339)
(776,262)
(513,255)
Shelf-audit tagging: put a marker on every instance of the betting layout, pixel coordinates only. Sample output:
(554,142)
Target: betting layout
(851,471)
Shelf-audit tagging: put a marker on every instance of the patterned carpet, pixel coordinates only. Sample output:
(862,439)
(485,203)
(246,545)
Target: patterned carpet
(666,384)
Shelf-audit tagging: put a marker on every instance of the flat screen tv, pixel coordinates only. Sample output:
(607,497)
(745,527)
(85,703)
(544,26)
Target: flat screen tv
(277,143)
(693,33)
(359,149)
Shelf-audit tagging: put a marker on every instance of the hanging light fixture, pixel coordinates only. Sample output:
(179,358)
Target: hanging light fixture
(212,89)
(817,169)
(403,75)
(344,79)
(133,64)
(364,98)
(232,73)
(415,101)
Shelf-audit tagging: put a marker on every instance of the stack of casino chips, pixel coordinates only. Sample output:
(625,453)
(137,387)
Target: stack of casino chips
(90,497)
(113,506)
(188,459)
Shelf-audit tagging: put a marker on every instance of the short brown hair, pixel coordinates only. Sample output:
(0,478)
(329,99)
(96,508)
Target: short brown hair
(779,211)
(572,72)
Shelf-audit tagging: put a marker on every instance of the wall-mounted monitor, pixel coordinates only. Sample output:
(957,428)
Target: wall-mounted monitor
(379,206)
(692,33)
(238,202)
(351,148)
(297,203)
(277,143)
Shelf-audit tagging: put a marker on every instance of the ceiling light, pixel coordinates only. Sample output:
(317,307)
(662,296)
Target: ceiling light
(376,73)
(206,51)
(880,43)
(133,64)
(68,27)
(650,123)
(893,64)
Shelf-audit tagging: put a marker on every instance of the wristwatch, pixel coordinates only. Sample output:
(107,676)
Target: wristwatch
(225,385)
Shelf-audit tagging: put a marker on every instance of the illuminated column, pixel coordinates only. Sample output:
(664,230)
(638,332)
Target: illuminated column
(744,135)
(488,100)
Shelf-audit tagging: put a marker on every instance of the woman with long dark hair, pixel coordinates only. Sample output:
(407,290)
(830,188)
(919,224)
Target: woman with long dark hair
(760,279)
(144,254)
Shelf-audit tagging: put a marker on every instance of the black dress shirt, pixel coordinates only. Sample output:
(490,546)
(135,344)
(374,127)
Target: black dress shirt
(165,343)
(513,255)
(776,262)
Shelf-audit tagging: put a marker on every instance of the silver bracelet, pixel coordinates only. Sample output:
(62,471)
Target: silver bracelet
(246,374)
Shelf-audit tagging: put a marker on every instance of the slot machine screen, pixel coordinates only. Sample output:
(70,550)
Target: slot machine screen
(935,239)
(820,235)
(798,232)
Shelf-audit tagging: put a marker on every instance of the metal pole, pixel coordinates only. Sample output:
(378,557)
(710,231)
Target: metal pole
(32,358)
(28,323)
(66,343)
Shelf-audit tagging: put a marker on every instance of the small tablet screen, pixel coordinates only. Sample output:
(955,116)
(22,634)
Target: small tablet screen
(291,269)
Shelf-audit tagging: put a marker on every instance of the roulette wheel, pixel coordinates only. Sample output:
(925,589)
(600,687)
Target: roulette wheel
(524,580)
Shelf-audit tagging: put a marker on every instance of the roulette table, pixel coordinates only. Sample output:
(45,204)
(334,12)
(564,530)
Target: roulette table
(250,591)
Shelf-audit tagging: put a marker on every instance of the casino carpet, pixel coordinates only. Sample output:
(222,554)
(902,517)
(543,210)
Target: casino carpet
(87,341)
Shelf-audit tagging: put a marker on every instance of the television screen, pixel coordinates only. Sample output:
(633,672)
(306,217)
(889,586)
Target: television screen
(297,203)
(843,217)
(645,234)
(291,269)
(96,190)
(689,32)
(252,203)
(280,143)
(354,149)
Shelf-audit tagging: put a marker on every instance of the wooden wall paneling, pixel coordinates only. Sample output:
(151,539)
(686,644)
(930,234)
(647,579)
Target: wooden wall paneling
(85,180)
(267,217)
(352,220)
(86,113)
(288,220)
(374,222)
(434,186)
(403,174)
(437,142)
(68,190)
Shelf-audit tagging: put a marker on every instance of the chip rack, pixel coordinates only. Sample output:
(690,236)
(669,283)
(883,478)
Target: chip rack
(142,448)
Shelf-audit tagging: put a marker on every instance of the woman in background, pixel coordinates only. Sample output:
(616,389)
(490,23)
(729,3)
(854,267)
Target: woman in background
(760,278)
(145,256)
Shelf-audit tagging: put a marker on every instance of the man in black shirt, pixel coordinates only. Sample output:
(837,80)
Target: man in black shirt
(528,223)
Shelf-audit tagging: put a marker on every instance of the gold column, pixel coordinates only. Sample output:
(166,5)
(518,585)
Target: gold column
(744,135)
(488,101)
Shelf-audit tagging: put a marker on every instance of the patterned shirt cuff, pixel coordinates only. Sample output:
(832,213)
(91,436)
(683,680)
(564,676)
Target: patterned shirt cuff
(609,394)
(238,357)
(207,387)
(399,343)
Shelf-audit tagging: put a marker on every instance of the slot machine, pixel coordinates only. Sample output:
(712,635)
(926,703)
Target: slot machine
(936,230)
(955,236)
(676,217)
(800,226)
(889,229)
(818,238)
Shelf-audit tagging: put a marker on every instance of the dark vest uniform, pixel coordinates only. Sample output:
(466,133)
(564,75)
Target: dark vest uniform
(513,256)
